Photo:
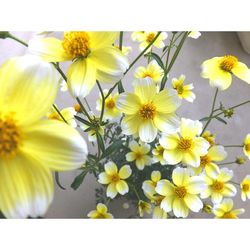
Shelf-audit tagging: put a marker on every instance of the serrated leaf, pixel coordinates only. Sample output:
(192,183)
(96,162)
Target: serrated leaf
(78,180)
(221,120)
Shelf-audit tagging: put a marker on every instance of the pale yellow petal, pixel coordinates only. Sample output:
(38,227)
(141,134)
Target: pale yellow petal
(104,178)
(125,172)
(167,123)
(170,141)
(217,153)
(242,71)
(122,187)
(129,103)
(111,190)
(180,208)
(101,208)
(100,39)
(164,187)
(172,157)
(147,131)
(190,128)
(110,168)
(180,177)
(193,202)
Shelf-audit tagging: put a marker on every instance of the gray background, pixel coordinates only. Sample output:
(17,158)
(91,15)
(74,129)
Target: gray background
(76,204)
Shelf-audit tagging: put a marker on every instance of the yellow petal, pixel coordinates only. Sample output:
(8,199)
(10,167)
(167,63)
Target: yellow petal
(164,187)
(191,159)
(217,153)
(81,77)
(102,39)
(167,123)
(170,141)
(122,187)
(101,208)
(193,202)
(167,203)
(242,71)
(147,131)
(30,91)
(49,49)
(110,168)
(130,124)
(56,144)
(172,157)
(145,89)
(180,208)
(190,128)
(180,177)
(104,178)
(155,176)
(129,103)
(111,190)
(196,185)
(125,172)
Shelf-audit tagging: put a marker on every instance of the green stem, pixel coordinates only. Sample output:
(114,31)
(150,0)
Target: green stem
(226,163)
(103,101)
(120,87)
(212,111)
(18,40)
(83,109)
(169,49)
(235,183)
(59,113)
(233,146)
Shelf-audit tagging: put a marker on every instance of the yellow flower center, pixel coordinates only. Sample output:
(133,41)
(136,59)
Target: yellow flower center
(76,44)
(218,186)
(147,74)
(245,187)
(147,111)
(138,155)
(110,104)
(185,144)
(179,89)
(228,62)
(9,138)
(205,160)
(150,37)
(247,147)
(54,116)
(115,178)
(180,192)
(77,108)
(158,199)
(229,215)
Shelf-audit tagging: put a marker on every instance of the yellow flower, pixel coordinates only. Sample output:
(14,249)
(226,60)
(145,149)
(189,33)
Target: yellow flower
(93,55)
(146,38)
(153,70)
(158,152)
(31,147)
(245,188)
(159,213)
(187,146)
(67,113)
(101,212)
(215,153)
(144,207)
(218,186)
(209,137)
(194,34)
(115,179)
(219,71)
(184,92)
(110,109)
(224,210)
(147,110)
(137,35)
(183,194)
(246,148)
(139,154)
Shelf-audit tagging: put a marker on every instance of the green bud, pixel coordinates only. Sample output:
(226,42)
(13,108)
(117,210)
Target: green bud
(240,160)
(4,34)
(228,113)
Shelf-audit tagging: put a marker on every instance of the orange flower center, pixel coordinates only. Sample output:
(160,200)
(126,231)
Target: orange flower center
(150,37)
(110,104)
(115,178)
(9,138)
(76,44)
(245,187)
(205,160)
(229,215)
(147,111)
(218,186)
(180,192)
(54,116)
(179,89)
(185,144)
(77,108)
(228,62)
(247,147)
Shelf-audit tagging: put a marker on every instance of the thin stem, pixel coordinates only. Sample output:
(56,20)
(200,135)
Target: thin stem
(169,49)
(18,40)
(83,109)
(235,183)
(226,163)
(103,101)
(212,111)
(233,146)
(120,40)
(59,113)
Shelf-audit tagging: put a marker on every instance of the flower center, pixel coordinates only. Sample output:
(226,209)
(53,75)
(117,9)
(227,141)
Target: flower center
(147,74)
(185,144)
(180,192)
(76,44)
(110,104)
(228,62)
(77,108)
(247,147)
(54,116)
(9,138)
(115,178)
(138,155)
(147,111)
(179,89)
(150,37)
(205,160)
(218,186)
(229,215)
(245,187)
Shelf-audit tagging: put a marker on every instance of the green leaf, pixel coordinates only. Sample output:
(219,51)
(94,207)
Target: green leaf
(58,181)
(100,142)
(120,87)
(163,81)
(78,180)
(157,59)
(204,119)
(112,148)
(221,120)
(80,119)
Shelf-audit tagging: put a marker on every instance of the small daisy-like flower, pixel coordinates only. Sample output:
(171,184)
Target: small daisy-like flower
(159,213)
(245,188)
(115,179)
(246,148)
(147,110)
(158,152)
(186,146)
(153,70)
(184,92)
(224,210)
(183,194)
(219,71)
(139,154)
(194,34)
(144,207)
(218,186)
(101,212)
(67,113)
(110,109)
(207,135)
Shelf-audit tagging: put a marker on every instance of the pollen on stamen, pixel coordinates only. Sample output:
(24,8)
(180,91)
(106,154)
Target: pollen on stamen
(228,62)
(147,111)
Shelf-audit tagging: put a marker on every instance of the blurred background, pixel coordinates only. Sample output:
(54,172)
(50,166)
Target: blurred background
(76,204)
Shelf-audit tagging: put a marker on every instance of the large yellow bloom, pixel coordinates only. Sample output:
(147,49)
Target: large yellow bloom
(93,55)
(31,148)
(219,71)
(147,110)
(183,194)
(187,146)
(224,210)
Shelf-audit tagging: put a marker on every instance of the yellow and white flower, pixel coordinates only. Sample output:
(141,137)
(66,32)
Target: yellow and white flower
(147,110)
(186,147)
(207,135)
(219,71)
(139,154)
(110,108)
(158,152)
(245,188)
(184,92)
(93,55)
(218,186)
(183,194)
(144,207)
(224,210)
(136,36)
(101,212)
(31,147)
(67,113)
(246,147)
(153,70)
(159,213)
(115,179)
(194,34)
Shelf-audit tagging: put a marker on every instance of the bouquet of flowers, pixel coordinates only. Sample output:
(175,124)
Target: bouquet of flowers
(164,164)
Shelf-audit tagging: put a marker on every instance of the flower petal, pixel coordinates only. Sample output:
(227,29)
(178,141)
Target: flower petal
(167,123)
(102,39)
(110,168)
(147,131)
(125,172)
(180,208)
(242,71)
(172,157)
(180,176)
(111,190)
(104,178)
(122,187)
(145,89)
(164,187)
(190,128)
(193,202)
(196,185)
(129,103)
(217,153)
(167,203)
(169,141)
